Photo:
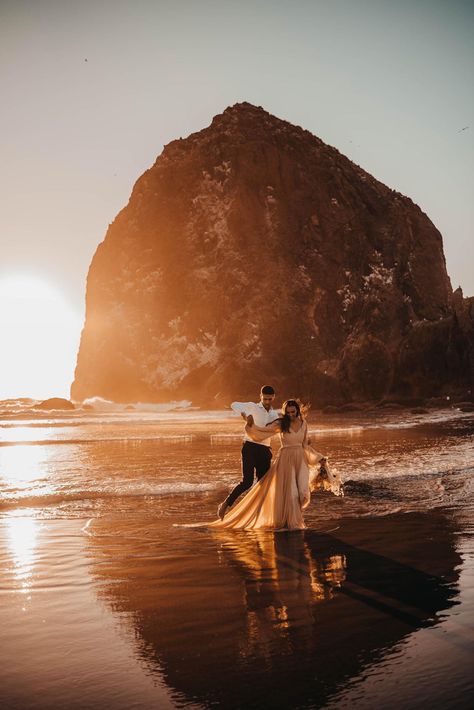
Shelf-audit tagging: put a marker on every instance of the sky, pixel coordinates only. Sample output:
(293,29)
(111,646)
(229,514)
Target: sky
(91,91)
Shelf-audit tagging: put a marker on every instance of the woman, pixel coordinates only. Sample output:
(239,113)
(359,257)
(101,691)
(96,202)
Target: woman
(277,501)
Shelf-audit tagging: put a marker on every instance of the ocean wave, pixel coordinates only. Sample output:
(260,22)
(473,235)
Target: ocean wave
(400,490)
(177,438)
(106,405)
(167,414)
(136,417)
(21,498)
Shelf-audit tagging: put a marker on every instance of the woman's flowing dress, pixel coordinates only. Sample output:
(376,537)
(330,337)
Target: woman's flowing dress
(276,502)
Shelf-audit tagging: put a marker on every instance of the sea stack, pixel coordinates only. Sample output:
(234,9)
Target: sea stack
(251,252)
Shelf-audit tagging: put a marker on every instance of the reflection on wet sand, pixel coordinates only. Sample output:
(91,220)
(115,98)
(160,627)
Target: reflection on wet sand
(21,539)
(282,581)
(279,619)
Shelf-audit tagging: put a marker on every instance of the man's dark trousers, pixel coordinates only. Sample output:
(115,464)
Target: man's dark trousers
(255,457)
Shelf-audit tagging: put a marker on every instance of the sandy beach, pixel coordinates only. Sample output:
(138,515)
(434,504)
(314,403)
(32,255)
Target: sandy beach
(206,203)
(108,600)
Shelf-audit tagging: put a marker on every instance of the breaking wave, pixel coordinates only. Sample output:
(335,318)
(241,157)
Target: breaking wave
(19,498)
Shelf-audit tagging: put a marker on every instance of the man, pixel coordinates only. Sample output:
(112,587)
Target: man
(256,458)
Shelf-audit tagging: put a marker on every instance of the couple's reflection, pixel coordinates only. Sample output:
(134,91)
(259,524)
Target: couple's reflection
(282,580)
(282,619)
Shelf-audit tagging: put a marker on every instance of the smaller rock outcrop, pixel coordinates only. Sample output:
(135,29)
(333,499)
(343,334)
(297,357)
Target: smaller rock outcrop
(464,312)
(55,403)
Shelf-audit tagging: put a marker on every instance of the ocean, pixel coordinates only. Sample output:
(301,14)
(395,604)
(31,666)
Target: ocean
(108,598)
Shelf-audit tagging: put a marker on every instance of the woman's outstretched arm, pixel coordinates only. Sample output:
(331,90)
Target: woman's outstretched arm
(260,433)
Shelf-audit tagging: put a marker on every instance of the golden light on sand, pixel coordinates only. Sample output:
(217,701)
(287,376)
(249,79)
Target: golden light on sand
(22,534)
(40,338)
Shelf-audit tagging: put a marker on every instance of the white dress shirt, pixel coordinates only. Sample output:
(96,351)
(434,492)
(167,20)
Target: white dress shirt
(260,415)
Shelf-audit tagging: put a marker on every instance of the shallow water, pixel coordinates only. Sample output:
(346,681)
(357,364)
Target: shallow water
(105,599)
(188,460)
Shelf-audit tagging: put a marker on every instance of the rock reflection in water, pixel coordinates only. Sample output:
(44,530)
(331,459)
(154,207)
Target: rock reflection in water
(279,619)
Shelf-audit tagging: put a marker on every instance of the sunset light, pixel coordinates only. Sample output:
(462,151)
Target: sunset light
(22,533)
(236,354)
(40,335)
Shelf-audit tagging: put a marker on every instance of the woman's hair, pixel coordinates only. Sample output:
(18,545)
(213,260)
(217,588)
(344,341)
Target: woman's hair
(301,411)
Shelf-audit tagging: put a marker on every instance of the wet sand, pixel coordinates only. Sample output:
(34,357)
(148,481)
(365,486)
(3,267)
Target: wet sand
(133,614)
(108,600)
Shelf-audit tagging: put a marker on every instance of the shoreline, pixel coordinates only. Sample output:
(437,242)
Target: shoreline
(138,613)
(372,602)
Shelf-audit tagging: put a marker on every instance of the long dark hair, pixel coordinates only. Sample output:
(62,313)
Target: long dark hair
(301,410)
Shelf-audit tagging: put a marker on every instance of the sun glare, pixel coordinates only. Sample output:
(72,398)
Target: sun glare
(22,534)
(22,465)
(40,337)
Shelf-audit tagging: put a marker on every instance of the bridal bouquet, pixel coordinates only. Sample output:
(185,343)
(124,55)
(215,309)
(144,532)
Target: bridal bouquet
(322,477)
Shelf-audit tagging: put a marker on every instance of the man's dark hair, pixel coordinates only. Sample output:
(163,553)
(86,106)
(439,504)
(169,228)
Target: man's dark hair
(266,389)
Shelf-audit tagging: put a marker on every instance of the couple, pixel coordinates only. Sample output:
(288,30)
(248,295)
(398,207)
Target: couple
(282,491)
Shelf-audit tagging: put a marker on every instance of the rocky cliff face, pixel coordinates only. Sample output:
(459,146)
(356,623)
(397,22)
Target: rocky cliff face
(251,253)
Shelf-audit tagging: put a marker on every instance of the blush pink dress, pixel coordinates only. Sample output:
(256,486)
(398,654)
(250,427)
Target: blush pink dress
(276,502)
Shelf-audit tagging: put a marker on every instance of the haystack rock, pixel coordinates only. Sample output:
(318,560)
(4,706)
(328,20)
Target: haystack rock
(252,252)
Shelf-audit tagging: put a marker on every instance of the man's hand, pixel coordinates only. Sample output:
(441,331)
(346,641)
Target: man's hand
(249,420)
